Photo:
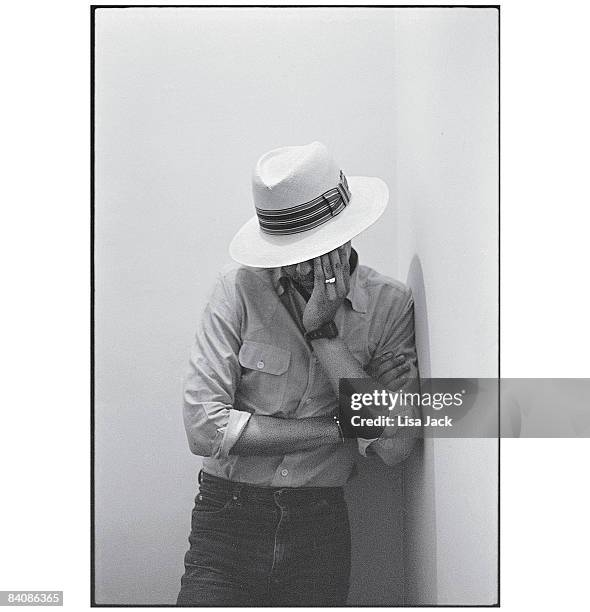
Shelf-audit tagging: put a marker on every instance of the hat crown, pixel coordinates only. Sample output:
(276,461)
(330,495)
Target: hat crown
(294,175)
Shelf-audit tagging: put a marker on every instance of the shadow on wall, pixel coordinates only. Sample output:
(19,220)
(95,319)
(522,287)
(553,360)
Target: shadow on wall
(374,500)
(415,281)
(393,557)
(417,476)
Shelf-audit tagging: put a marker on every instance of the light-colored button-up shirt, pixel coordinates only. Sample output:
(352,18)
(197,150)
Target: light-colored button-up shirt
(250,357)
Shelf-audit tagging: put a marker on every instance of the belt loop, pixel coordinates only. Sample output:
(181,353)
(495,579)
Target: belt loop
(200,476)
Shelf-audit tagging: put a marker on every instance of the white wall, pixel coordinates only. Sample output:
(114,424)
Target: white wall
(447,197)
(186,100)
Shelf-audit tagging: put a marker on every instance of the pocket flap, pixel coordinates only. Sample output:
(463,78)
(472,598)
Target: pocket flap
(264,357)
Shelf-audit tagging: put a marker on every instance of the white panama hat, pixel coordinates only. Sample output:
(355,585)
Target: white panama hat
(305,207)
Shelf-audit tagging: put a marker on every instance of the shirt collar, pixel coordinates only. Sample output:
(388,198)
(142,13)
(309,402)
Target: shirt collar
(357,295)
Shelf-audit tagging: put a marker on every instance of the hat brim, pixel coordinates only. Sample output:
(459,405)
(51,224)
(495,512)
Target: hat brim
(252,247)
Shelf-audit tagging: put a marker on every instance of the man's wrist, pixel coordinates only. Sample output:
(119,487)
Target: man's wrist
(326,331)
(311,325)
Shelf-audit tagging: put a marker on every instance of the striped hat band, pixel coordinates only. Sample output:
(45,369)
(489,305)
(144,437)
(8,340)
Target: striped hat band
(306,216)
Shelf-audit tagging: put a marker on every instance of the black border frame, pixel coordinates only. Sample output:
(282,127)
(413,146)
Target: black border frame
(93,9)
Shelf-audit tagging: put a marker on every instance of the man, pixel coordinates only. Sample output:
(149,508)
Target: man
(270,524)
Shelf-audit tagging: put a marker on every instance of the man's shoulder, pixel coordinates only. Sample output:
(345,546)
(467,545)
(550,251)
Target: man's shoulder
(380,285)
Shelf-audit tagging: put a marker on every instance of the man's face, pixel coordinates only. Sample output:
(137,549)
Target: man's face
(302,272)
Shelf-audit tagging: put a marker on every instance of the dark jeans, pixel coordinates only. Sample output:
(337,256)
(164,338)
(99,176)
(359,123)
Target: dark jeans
(265,546)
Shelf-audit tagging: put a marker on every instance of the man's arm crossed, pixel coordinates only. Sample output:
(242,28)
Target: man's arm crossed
(214,427)
(394,368)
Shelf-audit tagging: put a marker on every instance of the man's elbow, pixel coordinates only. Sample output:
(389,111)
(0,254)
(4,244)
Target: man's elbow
(197,447)
(200,442)
(202,432)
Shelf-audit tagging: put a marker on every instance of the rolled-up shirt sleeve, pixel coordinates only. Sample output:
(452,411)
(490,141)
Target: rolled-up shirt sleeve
(395,443)
(212,424)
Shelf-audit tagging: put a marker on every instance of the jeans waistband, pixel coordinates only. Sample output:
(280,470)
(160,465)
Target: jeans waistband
(245,491)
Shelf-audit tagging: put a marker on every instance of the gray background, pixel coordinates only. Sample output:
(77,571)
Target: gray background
(186,100)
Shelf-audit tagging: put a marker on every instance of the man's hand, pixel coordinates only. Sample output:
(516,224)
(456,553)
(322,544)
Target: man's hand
(396,367)
(326,298)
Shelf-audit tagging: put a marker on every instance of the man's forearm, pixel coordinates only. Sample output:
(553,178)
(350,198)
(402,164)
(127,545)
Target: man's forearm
(338,362)
(395,444)
(265,435)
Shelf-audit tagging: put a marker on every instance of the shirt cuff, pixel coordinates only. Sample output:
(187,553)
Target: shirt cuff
(389,432)
(229,434)
(363,445)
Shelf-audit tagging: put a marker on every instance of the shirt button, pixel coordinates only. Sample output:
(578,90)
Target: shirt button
(284,472)
(260,365)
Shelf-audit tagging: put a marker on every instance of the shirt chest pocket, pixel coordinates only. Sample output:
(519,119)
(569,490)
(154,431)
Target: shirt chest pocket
(265,372)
